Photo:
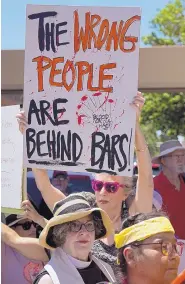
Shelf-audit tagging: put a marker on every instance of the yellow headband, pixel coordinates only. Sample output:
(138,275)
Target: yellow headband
(142,231)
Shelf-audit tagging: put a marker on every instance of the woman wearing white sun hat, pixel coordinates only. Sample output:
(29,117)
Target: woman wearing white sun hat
(71,232)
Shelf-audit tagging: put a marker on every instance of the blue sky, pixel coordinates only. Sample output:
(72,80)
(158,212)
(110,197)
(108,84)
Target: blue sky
(13,16)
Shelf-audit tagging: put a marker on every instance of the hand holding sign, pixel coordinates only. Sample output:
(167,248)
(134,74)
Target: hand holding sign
(138,103)
(21,118)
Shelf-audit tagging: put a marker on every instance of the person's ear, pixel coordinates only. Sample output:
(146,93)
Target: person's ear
(162,161)
(129,256)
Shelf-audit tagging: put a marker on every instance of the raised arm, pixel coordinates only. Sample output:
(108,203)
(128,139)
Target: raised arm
(29,247)
(49,193)
(144,190)
(32,214)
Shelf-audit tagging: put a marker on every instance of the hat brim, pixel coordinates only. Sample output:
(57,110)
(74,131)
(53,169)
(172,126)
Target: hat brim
(16,221)
(61,219)
(157,159)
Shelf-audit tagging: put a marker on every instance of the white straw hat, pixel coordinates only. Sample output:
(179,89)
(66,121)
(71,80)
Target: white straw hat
(72,208)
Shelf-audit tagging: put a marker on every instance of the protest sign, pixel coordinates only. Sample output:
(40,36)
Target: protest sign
(81,73)
(11,160)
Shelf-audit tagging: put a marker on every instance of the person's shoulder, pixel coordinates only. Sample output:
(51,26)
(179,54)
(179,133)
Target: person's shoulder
(101,264)
(159,178)
(6,249)
(46,279)
(43,278)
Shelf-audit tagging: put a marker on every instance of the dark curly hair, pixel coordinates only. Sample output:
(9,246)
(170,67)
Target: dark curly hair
(130,221)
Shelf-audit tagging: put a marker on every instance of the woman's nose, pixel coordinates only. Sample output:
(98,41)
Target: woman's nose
(103,191)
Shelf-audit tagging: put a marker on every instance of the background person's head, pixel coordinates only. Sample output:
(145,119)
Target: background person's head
(75,226)
(172,157)
(22,226)
(111,191)
(174,162)
(60,180)
(155,259)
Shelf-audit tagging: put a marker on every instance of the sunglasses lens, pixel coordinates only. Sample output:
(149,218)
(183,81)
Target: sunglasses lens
(26,226)
(97,185)
(111,187)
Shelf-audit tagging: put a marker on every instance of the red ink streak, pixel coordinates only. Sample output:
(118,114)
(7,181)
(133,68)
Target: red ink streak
(80,117)
(32,93)
(97,94)
(79,106)
(84,98)
(72,61)
(50,111)
(106,98)
(122,113)
(111,101)
(59,116)
(116,125)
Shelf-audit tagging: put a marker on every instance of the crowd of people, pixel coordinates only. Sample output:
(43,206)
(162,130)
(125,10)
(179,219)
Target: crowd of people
(117,235)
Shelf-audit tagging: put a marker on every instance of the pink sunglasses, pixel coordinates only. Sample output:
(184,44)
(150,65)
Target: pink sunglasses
(110,187)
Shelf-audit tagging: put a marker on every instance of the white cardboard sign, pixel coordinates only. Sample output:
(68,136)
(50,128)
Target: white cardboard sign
(81,73)
(11,159)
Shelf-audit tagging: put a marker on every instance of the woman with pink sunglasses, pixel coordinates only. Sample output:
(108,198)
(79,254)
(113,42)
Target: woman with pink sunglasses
(110,191)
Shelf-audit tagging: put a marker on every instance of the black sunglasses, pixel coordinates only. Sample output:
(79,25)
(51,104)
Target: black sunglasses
(26,226)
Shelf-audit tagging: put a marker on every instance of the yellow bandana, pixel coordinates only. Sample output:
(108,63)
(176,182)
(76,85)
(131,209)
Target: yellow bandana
(142,231)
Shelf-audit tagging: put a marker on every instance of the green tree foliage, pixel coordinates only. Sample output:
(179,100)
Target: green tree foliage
(168,26)
(151,138)
(165,112)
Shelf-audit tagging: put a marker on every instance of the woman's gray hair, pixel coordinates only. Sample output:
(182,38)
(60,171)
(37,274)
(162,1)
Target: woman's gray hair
(60,231)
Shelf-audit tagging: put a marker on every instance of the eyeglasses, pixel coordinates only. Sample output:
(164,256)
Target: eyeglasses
(167,248)
(26,226)
(180,156)
(110,187)
(77,226)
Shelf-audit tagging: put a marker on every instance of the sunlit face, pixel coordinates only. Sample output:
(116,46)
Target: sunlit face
(175,161)
(31,233)
(151,264)
(109,201)
(60,182)
(79,244)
